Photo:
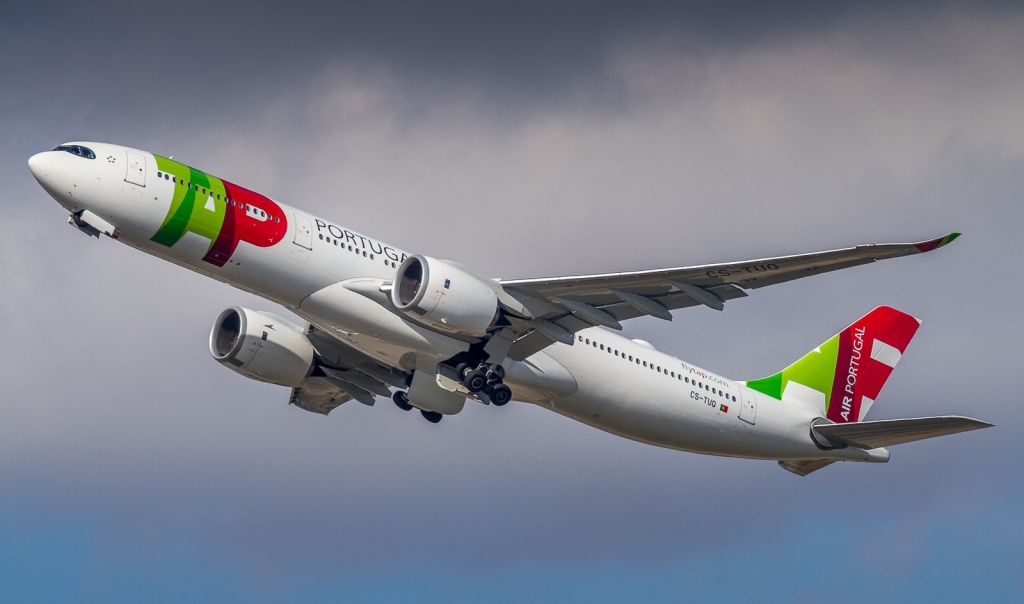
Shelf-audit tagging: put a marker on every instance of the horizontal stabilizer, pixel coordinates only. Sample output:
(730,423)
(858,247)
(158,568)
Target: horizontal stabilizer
(883,433)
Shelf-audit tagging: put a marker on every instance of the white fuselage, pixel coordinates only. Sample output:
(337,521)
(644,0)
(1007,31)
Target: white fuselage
(602,379)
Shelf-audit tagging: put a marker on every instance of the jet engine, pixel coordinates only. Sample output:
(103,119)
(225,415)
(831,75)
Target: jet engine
(445,295)
(261,346)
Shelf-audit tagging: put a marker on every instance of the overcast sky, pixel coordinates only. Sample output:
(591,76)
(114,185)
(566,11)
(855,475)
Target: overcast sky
(525,142)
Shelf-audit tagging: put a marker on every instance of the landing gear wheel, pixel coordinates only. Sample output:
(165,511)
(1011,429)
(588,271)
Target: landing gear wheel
(431,416)
(500,395)
(475,381)
(401,399)
(461,370)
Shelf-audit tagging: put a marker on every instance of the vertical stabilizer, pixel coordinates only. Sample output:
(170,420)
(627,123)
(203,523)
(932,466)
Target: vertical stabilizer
(844,375)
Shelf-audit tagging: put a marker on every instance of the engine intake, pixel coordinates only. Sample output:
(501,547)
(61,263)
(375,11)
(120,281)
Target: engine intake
(445,295)
(261,346)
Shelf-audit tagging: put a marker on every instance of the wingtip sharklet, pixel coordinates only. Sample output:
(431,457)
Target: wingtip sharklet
(934,244)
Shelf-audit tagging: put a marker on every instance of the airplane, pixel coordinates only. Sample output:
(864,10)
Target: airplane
(431,333)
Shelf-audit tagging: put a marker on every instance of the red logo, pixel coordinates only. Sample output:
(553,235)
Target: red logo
(249,217)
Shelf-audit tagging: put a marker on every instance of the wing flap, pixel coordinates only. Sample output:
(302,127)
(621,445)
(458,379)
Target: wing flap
(805,466)
(884,433)
(343,373)
(317,395)
(534,339)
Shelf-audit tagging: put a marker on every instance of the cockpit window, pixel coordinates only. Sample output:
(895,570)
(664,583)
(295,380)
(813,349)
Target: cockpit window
(78,150)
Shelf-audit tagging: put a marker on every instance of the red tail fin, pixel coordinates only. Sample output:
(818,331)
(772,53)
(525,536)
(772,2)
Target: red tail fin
(844,375)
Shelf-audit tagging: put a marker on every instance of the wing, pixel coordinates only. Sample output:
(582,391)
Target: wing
(342,373)
(555,308)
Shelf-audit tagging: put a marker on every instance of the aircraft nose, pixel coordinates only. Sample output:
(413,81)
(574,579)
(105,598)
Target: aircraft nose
(37,164)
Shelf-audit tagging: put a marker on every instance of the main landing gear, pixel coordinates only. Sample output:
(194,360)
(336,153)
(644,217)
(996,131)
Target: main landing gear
(486,379)
(483,380)
(431,416)
(401,400)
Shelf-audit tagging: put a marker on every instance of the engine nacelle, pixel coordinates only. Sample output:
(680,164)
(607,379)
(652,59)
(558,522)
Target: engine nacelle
(261,346)
(445,295)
